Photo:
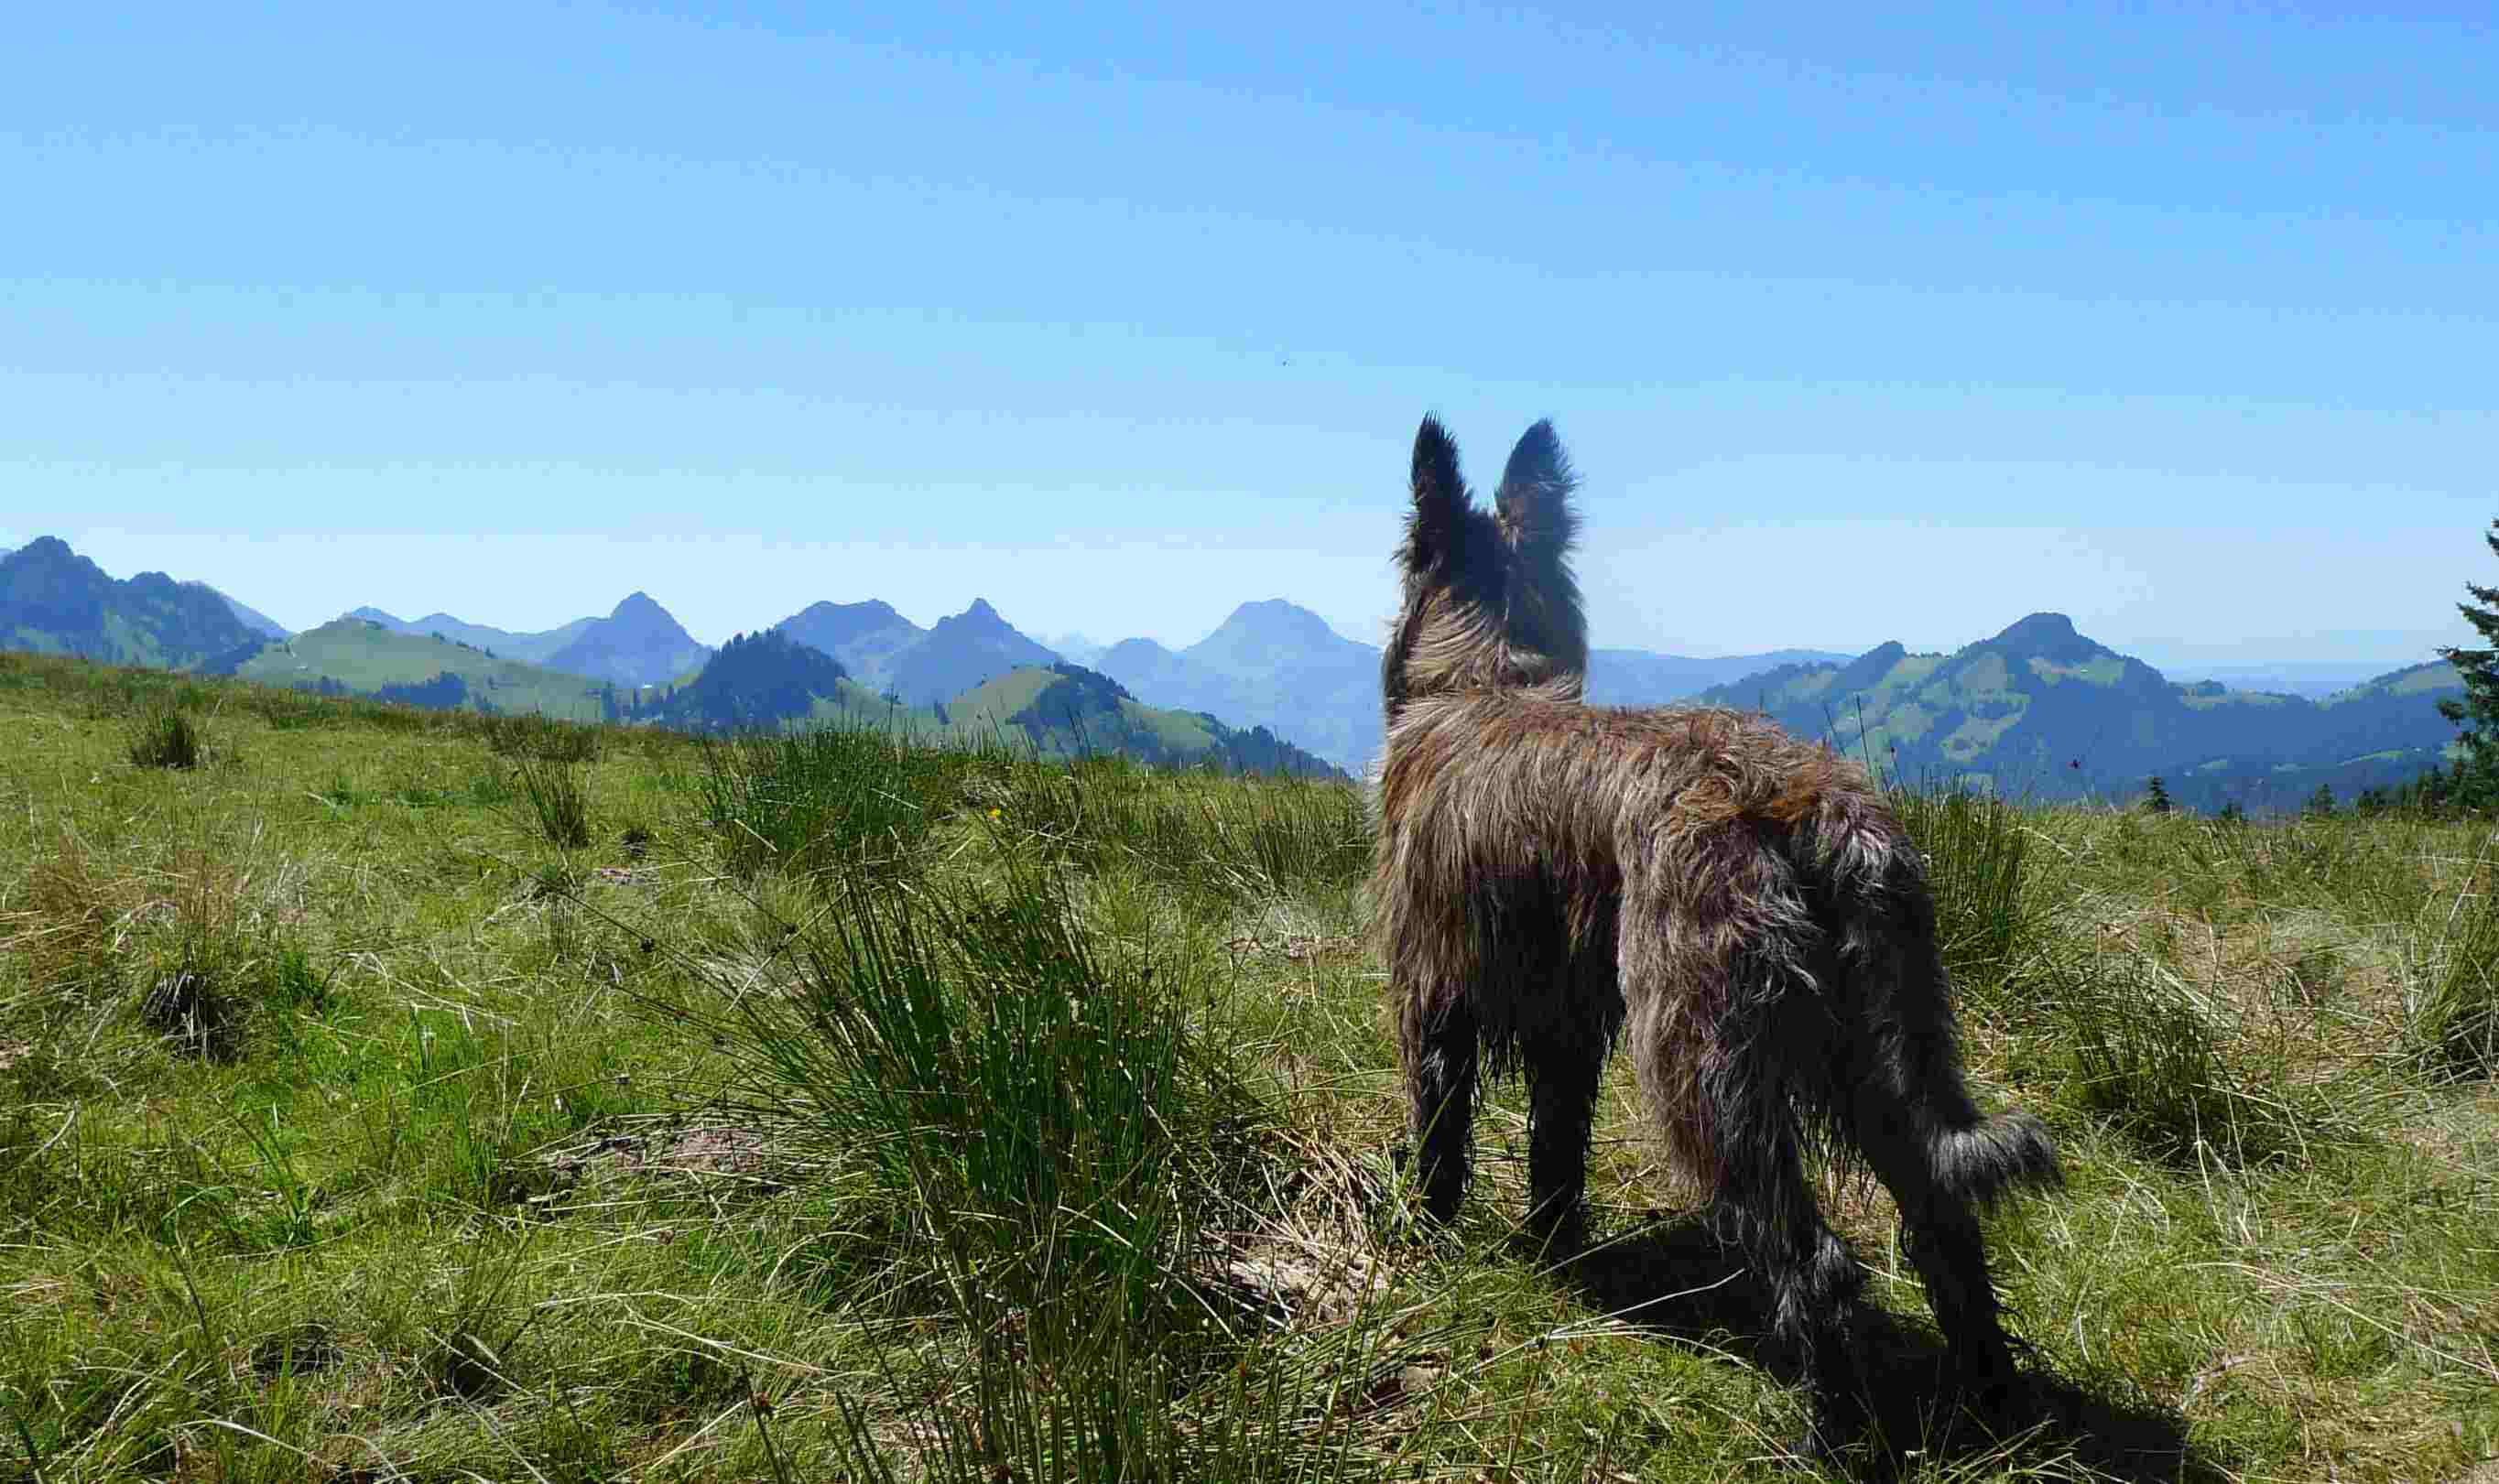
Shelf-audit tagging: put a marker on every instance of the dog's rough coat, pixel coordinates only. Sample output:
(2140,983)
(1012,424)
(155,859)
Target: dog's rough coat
(1741,907)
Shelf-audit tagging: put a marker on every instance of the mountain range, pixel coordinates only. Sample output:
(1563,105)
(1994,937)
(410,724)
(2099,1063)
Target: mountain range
(365,656)
(638,643)
(1054,710)
(2037,708)
(527,648)
(1270,665)
(894,656)
(2043,711)
(54,602)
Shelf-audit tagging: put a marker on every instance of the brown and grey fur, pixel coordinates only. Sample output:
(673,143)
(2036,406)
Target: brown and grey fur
(1741,907)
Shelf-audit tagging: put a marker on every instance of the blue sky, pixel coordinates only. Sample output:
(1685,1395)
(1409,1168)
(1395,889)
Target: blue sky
(1861,325)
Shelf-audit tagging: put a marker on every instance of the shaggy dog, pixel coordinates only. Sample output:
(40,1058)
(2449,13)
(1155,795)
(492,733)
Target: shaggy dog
(1742,908)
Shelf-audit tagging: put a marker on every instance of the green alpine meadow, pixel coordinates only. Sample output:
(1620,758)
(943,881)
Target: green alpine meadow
(393,1093)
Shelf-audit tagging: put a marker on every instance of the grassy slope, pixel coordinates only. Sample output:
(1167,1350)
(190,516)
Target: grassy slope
(980,710)
(363,656)
(978,717)
(465,1205)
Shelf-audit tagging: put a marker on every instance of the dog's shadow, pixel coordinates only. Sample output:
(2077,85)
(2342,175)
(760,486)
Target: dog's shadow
(1675,1279)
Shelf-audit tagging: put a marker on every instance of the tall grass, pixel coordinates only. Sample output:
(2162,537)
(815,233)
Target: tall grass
(166,737)
(2124,1043)
(1282,1413)
(1039,1107)
(2455,1022)
(2144,1056)
(530,734)
(557,799)
(1194,833)
(1976,858)
(1052,1143)
(800,802)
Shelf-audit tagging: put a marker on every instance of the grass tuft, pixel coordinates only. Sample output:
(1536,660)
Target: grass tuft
(1037,1106)
(2455,1023)
(1213,843)
(545,738)
(557,797)
(800,804)
(1976,852)
(166,737)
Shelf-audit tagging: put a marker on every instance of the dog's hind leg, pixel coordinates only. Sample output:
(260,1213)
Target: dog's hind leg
(1909,1112)
(1725,1074)
(1441,1045)
(1767,1207)
(1564,1066)
(1942,1161)
(1564,1051)
(1940,1234)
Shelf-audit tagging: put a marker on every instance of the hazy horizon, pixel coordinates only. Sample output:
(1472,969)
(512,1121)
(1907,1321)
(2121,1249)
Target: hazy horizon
(1859,325)
(2176,660)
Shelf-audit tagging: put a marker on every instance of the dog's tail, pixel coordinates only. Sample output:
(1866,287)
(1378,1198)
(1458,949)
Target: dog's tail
(1979,1163)
(1911,1094)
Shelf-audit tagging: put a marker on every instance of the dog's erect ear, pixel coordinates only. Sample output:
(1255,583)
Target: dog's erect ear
(1435,530)
(1534,503)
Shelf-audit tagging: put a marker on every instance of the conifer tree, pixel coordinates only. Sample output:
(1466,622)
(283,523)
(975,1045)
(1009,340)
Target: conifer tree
(2477,714)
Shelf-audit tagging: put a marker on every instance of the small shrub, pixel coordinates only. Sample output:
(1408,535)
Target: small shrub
(166,737)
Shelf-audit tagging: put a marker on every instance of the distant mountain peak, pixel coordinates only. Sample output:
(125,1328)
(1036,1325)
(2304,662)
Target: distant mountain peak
(2040,626)
(1871,667)
(980,619)
(2048,635)
(865,609)
(960,652)
(638,644)
(1278,619)
(865,636)
(54,601)
(51,553)
(641,614)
